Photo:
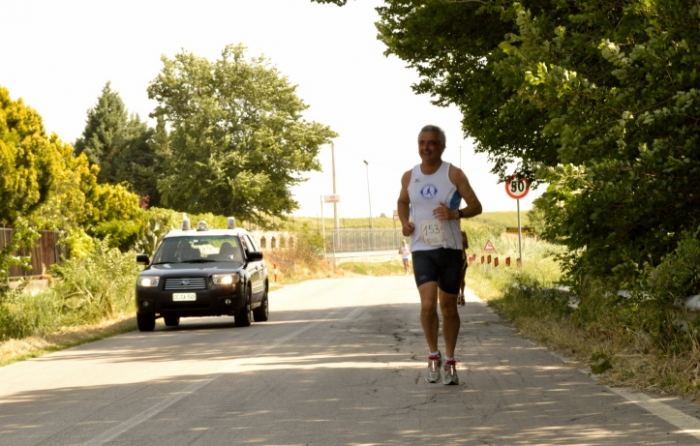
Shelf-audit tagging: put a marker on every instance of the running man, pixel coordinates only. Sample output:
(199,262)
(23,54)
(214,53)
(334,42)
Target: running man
(428,207)
(405,252)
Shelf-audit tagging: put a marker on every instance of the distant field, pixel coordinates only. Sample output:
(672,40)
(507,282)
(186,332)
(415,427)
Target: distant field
(494,219)
(505,218)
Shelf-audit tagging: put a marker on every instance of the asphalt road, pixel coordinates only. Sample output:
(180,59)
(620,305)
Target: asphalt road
(340,362)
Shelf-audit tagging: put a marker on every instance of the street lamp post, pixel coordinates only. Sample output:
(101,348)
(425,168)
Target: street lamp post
(369,198)
(335,203)
(335,206)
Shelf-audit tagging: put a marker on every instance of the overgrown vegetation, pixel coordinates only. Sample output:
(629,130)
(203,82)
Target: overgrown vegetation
(302,261)
(639,337)
(86,290)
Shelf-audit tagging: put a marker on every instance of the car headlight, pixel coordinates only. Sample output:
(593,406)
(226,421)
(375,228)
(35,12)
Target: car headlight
(148,281)
(224,279)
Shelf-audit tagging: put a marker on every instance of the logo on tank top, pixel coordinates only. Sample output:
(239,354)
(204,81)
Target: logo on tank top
(429,191)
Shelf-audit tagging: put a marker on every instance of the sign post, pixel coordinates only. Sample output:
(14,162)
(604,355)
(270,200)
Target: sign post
(489,246)
(323,229)
(517,187)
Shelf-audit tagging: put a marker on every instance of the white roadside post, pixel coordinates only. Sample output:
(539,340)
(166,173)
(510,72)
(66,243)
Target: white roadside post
(517,187)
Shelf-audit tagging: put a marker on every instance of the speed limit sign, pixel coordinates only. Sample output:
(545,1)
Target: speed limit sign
(517,187)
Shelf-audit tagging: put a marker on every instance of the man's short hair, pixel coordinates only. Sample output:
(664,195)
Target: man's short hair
(435,129)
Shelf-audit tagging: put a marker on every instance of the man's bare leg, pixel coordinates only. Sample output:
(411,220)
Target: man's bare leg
(450,322)
(428,314)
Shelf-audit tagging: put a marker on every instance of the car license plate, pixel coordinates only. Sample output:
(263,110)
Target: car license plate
(179,297)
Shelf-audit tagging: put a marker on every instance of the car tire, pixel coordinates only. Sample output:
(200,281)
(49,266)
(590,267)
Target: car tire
(146,321)
(243,316)
(171,321)
(261,313)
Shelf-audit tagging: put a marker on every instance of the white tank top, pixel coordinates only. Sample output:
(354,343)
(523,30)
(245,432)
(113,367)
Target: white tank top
(426,192)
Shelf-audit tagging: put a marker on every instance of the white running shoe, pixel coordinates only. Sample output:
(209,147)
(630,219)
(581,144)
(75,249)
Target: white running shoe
(451,377)
(432,375)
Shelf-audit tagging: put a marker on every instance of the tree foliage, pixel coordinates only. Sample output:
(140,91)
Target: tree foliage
(76,200)
(120,145)
(597,99)
(27,159)
(237,140)
(28,169)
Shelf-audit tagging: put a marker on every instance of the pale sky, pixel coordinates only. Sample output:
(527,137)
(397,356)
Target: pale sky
(57,56)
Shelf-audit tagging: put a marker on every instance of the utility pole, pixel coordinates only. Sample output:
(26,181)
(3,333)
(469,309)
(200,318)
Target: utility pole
(335,204)
(369,198)
(336,235)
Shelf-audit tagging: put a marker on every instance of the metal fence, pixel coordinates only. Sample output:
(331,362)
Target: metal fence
(362,240)
(45,253)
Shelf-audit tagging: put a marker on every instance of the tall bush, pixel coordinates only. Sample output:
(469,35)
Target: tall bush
(97,286)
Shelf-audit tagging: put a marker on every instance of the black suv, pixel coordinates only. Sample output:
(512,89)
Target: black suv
(203,272)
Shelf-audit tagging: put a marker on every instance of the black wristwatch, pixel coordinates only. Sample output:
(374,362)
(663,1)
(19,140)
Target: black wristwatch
(461,214)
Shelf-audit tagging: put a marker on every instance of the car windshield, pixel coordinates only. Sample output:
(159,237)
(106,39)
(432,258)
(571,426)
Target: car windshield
(199,249)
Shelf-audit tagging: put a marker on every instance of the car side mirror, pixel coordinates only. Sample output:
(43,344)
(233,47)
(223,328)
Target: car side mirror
(142,259)
(254,256)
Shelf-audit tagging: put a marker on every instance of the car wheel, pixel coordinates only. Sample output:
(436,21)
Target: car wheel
(243,316)
(261,313)
(171,321)
(146,321)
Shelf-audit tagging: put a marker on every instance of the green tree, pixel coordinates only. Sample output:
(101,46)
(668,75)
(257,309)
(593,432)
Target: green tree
(27,159)
(454,46)
(618,85)
(120,145)
(598,98)
(66,206)
(237,140)
(28,169)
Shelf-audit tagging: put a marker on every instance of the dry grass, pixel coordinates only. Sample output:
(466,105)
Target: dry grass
(620,355)
(626,361)
(291,269)
(15,350)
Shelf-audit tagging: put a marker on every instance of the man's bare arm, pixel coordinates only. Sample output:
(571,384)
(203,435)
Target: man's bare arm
(402,206)
(460,180)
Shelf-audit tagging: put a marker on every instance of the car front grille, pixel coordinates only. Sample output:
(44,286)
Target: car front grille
(185,284)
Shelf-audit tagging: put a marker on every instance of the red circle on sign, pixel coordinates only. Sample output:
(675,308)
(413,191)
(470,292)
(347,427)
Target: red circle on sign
(517,187)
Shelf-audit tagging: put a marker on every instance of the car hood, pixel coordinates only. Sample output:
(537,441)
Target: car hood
(193,268)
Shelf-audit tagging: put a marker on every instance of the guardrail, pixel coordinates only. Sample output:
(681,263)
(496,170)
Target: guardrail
(362,240)
(691,303)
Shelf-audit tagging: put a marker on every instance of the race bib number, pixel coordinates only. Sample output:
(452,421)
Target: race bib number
(431,233)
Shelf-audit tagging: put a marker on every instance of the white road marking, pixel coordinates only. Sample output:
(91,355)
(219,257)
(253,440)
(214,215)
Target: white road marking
(686,423)
(125,426)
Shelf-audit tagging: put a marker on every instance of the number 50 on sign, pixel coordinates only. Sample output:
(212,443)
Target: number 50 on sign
(517,187)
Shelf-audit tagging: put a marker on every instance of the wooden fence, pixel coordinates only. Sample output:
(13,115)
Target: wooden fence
(45,253)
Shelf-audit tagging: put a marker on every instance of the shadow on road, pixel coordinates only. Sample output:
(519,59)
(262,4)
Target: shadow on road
(345,376)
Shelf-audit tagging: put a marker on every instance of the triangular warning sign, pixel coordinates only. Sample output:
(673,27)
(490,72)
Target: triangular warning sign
(489,246)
